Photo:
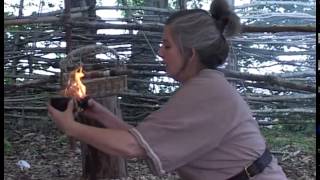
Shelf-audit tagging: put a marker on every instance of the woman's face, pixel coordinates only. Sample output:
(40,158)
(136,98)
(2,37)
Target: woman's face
(171,55)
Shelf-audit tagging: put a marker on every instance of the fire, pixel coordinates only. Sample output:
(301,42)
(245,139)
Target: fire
(75,87)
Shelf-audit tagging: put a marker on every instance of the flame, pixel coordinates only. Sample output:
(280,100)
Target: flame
(75,87)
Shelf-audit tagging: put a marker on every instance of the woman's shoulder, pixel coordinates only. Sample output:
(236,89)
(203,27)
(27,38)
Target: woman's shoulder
(208,77)
(211,72)
(208,82)
(209,85)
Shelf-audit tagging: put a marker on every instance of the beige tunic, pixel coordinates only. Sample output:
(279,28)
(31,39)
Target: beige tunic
(204,132)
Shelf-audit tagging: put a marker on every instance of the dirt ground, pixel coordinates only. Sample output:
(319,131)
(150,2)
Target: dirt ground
(51,158)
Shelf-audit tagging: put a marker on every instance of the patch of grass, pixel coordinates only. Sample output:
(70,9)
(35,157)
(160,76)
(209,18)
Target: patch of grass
(277,138)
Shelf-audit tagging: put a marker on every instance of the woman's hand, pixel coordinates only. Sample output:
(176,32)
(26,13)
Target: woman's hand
(94,110)
(64,120)
(98,112)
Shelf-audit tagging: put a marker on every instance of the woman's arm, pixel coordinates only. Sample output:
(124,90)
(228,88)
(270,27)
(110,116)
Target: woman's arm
(101,114)
(111,141)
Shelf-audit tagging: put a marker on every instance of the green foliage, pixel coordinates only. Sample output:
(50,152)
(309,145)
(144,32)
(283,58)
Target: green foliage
(8,14)
(7,146)
(131,2)
(50,5)
(279,137)
(63,139)
(25,27)
(7,81)
(34,13)
(307,129)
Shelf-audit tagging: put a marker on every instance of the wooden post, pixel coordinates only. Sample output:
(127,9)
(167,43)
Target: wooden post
(96,164)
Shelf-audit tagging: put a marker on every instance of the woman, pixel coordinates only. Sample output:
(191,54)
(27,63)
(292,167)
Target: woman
(206,130)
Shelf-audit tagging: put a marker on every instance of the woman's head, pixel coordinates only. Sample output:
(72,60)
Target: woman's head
(203,33)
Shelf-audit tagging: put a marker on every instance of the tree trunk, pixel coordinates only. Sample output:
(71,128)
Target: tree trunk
(21,8)
(182,4)
(138,54)
(16,42)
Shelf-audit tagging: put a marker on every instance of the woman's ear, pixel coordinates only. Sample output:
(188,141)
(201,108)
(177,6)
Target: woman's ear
(195,59)
(194,55)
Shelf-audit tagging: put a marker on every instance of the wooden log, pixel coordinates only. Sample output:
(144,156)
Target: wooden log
(155,27)
(266,3)
(86,8)
(273,80)
(96,164)
(158,27)
(42,118)
(33,20)
(292,110)
(279,28)
(99,74)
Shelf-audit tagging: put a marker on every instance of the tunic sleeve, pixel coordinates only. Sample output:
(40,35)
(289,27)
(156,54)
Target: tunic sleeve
(191,123)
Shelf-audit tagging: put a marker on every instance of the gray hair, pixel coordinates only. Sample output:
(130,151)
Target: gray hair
(205,32)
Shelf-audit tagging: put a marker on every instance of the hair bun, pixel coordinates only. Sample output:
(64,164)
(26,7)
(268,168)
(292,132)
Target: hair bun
(226,20)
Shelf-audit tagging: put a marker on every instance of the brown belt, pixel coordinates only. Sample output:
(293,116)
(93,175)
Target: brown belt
(255,168)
